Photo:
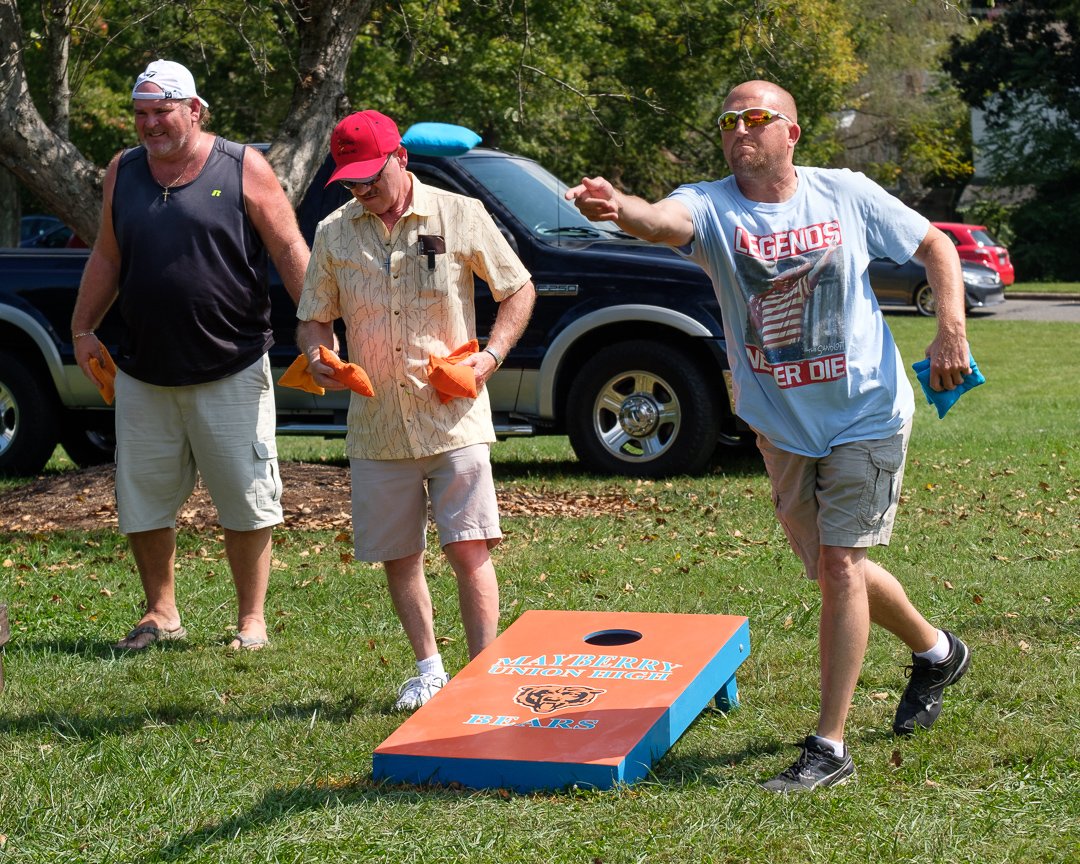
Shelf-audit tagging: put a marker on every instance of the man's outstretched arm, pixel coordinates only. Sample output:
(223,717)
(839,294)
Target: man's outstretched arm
(666,221)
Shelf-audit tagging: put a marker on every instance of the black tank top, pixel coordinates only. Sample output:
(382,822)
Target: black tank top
(193,272)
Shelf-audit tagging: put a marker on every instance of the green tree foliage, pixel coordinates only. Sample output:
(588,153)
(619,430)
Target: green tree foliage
(1023,71)
(627,88)
(904,123)
(238,51)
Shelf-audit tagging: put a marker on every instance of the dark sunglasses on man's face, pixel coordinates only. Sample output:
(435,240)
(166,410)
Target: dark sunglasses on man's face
(751,117)
(371,181)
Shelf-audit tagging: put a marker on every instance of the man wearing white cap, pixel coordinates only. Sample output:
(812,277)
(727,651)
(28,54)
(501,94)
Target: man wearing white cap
(397,263)
(187,221)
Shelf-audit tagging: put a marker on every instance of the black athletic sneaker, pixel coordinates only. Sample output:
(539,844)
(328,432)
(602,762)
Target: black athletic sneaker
(815,767)
(921,702)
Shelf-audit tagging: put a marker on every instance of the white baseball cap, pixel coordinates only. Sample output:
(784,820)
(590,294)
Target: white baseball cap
(175,81)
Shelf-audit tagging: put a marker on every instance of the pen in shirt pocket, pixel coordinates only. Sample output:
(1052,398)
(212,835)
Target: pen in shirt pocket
(431,245)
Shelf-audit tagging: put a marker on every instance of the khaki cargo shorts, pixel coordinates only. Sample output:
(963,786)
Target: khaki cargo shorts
(223,431)
(847,498)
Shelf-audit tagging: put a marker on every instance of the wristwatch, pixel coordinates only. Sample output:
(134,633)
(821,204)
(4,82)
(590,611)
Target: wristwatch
(498,359)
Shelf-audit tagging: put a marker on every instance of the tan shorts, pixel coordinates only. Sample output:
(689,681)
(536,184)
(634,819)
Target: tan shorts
(222,430)
(390,502)
(847,498)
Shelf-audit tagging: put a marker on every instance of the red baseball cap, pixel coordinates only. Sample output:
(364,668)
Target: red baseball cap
(360,145)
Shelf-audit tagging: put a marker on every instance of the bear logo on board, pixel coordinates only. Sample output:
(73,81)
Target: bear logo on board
(549,699)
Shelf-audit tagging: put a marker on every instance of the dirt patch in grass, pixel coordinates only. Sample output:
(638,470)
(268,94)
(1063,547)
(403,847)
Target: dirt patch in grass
(314,497)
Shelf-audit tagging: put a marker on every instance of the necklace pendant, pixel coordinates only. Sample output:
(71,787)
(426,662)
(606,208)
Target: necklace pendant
(165,195)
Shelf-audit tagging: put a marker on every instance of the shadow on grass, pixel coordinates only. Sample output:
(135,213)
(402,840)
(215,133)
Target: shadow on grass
(91,648)
(101,724)
(277,804)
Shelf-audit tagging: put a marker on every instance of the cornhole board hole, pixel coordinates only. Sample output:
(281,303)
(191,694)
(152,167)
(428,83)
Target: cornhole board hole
(562,698)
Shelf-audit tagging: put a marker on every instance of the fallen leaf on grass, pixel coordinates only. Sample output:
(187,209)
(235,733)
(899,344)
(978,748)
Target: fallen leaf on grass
(879,696)
(896,760)
(1025,647)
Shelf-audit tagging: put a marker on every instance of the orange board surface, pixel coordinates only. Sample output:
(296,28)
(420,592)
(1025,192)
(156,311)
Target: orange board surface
(562,697)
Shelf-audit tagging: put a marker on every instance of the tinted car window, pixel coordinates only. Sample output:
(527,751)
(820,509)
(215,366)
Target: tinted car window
(526,190)
(983,238)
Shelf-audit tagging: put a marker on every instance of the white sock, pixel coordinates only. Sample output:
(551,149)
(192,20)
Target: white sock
(940,650)
(837,747)
(431,666)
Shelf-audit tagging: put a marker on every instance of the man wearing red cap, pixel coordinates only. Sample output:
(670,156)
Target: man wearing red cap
(186,224)
(397,264)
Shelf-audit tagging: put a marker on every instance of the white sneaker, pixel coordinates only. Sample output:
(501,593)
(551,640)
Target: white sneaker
(416,691)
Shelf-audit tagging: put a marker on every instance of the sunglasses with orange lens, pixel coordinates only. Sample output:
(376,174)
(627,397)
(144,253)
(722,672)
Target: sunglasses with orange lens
(751,117)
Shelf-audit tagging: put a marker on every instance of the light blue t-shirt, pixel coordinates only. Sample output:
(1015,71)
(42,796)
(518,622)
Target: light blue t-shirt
(813,362)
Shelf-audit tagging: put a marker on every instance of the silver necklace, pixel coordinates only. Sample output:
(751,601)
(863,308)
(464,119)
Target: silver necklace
(165,189)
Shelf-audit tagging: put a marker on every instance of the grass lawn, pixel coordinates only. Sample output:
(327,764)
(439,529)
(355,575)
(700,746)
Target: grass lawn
(189,754)
(1044,288)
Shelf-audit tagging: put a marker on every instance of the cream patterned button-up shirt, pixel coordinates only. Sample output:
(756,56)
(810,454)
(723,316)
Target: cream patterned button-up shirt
(400,306)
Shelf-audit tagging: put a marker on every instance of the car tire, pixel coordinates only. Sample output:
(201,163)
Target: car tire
(29,418)
(923,301)
(89,447)
(644,409)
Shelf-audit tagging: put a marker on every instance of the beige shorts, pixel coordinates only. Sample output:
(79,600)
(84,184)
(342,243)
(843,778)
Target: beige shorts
(390,502)
(222,431)
(847,498)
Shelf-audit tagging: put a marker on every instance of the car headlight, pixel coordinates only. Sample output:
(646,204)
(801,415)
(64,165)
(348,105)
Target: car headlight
(980,277)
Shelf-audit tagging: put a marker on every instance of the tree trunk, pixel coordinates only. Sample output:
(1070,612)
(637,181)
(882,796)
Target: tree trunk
(327,32)
(48,164)
(58,42)
(10,212)
(70,186)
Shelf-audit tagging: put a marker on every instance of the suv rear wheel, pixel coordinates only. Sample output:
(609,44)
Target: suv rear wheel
(29,418)
(644,409)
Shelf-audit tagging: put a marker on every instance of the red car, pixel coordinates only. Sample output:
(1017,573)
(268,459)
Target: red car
(974,243)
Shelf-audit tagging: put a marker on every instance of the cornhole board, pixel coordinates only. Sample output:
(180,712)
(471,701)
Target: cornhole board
(563,698)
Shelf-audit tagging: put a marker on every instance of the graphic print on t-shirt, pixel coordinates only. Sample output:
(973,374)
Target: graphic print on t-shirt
(793,282)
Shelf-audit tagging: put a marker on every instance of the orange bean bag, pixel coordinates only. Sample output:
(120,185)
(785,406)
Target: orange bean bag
(104,375)
(349,374)
(450,380)
(299,376)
